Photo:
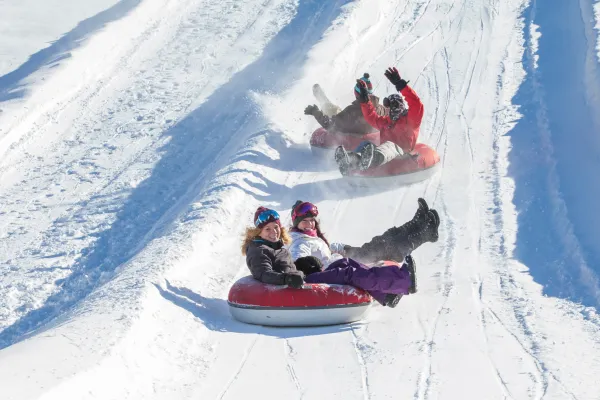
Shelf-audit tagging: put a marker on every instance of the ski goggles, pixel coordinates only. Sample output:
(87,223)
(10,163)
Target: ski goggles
(265,217)
(304,210)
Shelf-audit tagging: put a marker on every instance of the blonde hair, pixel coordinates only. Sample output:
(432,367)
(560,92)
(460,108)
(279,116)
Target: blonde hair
(253,232)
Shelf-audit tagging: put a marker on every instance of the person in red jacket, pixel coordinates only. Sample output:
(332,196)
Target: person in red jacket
(350,120)
(398,131)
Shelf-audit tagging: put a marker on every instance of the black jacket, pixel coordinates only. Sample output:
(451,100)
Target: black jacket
(268,261)
(350,120)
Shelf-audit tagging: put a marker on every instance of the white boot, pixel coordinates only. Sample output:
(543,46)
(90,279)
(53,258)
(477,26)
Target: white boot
(386,152)
(327,107)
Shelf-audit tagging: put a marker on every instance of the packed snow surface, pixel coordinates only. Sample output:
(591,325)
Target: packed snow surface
(138,137)
(597,13)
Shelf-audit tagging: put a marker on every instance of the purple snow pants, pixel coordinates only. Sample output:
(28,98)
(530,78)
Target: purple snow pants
(378,281)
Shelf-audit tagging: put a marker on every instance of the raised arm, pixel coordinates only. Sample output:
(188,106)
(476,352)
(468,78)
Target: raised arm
(375,120)
(415,106)
(323,120)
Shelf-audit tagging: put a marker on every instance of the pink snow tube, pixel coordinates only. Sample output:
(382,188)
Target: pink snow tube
(315,304)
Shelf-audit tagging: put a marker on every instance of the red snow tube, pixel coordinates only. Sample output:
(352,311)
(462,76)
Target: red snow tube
(400,171)
(425,157)
(407,170)
(322,139)
(316,304)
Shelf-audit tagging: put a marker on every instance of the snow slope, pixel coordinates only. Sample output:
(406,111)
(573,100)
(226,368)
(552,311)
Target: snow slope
(124,193)
(26,28)
(26,31)
(556,188)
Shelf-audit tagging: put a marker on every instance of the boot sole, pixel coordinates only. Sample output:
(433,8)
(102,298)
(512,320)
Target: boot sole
(412,268)
(366,156)
(436,223)
(436,218)
(423,204)
(394,302)
(421,214)
(341,158)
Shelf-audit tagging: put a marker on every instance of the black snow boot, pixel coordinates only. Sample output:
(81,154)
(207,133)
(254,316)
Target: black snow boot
(418,221)
(396,243)
(347,161)
(429,231)
(421,214)
(391,300)
(415,233)
(412,269)
(406,238)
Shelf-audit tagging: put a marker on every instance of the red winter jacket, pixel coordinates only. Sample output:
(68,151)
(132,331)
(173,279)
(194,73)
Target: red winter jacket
(405,131)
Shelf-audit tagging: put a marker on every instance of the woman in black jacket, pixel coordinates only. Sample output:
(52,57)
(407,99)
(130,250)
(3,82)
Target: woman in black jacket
(267,258)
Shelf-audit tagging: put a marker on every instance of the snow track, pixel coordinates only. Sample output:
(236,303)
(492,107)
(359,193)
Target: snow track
(125,194)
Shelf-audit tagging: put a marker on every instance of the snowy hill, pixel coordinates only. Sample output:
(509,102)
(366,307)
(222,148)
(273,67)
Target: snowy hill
(138,137)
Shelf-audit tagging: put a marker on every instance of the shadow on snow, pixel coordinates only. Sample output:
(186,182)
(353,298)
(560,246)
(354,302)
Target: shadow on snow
(555,155)
(214,314)
(199,145)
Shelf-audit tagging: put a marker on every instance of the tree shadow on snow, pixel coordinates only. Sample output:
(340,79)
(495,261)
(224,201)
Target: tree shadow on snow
(197,146)
(214,314)
(11,86)
(555,155)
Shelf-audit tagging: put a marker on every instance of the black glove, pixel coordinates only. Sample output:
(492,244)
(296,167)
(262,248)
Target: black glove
(350,251)
(364,92)
(309,264)
(294,279)
(394,76)
(311,110)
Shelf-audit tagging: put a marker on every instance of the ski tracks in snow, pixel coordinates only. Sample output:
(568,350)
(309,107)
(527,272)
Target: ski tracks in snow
(461,115)
(496,251)
(239,369)
(289,356)
(364,373)
(424,385)
(455,65)
(512,329)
